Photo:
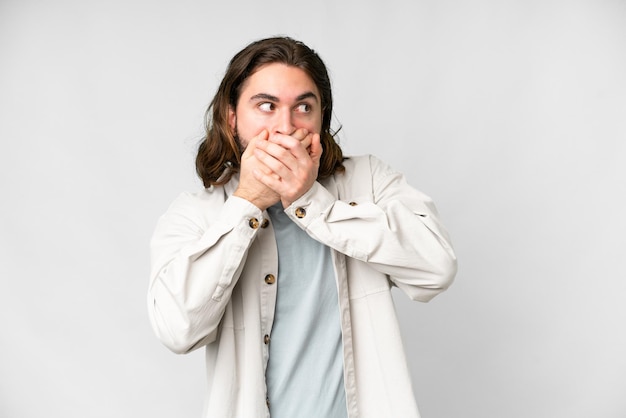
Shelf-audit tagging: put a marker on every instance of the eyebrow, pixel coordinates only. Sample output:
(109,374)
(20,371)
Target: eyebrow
(307,95)
(265,96)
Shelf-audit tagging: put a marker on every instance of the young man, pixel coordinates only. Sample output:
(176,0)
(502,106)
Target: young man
(282,266)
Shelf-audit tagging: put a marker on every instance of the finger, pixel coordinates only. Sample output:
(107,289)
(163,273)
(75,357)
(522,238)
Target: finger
(316,148)
(260,138)
(281,148)
(306,142)
(293,159)
(300,134)
(275,158)
(285,141)
(270,179)
(296,146)
(263,135)
(305,146)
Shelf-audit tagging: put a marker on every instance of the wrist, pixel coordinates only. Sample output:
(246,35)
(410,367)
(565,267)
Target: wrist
(260,200)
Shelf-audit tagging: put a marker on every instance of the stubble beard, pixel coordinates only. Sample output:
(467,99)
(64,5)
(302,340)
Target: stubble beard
(237,138)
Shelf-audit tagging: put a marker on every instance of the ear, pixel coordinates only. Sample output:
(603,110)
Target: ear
(232,118)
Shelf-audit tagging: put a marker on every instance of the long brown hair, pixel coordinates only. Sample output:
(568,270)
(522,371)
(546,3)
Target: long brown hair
(218,154)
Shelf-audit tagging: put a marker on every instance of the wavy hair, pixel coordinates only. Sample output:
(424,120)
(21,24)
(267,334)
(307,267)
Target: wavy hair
(219,156)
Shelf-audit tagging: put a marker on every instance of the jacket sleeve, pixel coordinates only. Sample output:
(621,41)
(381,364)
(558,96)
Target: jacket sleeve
(196,259)
(385,223)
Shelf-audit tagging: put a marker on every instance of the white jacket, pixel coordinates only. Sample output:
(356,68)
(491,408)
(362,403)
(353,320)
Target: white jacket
(213,260)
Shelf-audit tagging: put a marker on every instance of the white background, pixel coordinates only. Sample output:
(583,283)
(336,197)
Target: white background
(510,114)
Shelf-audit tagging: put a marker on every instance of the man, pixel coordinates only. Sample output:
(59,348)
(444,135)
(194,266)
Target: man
(282,266)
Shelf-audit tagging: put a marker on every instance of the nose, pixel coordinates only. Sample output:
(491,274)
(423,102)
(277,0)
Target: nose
(284,123)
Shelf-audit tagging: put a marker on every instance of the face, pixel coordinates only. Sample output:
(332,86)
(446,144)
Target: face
(278,98)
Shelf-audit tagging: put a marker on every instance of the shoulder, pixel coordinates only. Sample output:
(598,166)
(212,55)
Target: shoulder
(363,166)
(198,203)
(359,179)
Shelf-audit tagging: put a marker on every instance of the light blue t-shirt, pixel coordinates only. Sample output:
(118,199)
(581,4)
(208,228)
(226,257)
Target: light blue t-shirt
(305,370)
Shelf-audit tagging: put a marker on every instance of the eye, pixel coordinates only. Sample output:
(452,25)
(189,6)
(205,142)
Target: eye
(303,108)
(266,106)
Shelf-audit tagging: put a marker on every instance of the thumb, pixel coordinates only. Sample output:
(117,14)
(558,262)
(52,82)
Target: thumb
(316,149)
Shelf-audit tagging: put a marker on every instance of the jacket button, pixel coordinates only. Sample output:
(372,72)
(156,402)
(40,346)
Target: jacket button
(270,279)
(254,223)
(266,339)
(265,223)
(300,213)
(353,203)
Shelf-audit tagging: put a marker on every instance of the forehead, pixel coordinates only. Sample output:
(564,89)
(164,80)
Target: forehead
(281,80)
